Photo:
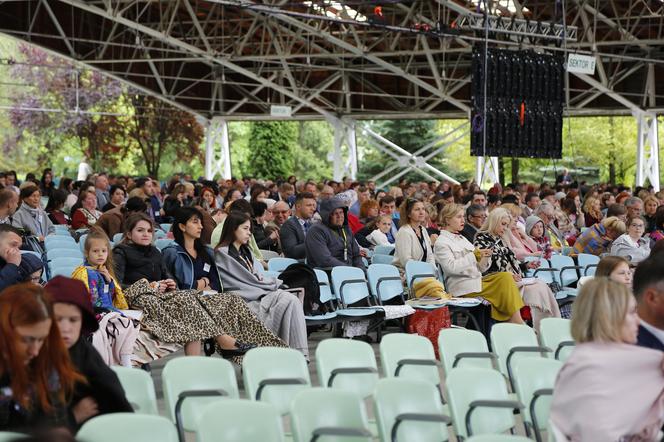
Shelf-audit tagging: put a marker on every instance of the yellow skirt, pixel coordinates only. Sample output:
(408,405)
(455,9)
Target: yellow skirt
(501,291)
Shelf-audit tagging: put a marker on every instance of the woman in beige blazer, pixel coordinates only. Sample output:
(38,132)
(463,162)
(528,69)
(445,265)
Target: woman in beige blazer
(412,240)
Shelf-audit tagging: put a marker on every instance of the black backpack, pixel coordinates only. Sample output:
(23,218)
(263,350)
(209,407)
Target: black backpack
(302,276)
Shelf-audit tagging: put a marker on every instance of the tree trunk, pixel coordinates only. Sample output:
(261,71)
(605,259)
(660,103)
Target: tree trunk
(515,170)
(501,170)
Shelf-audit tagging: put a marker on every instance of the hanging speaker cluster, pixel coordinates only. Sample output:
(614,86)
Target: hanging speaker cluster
(524,104)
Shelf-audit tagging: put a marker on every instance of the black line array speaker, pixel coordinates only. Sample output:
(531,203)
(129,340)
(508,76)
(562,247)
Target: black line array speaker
(524,104)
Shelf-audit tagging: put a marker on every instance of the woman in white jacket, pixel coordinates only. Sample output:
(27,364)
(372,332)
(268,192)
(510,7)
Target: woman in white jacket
(463,266)
(632,245)
(412,241)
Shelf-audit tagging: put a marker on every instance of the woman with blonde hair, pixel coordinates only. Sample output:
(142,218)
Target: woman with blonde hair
(463,266)
(606,369)
(650,205)
(592,211)
(536,294)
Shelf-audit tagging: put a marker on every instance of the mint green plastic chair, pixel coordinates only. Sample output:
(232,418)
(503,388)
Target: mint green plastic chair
(409,410)
(8,436)
(479,402)
(556,334)
(347,365)
(498,438)
(190,383)
(513,341)
(239,420)
(275,375)
(139,389)
(534,379)
(459,347)
(329,415)
(409,356)
(136,427)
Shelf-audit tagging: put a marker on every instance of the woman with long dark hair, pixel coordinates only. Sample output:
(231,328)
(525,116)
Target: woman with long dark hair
(36,375)
(55,206)
(279,310)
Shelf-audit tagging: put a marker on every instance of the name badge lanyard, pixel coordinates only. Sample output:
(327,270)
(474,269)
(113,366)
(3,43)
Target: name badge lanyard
(343,235)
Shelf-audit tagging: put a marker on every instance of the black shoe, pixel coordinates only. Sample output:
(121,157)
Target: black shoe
(240,349)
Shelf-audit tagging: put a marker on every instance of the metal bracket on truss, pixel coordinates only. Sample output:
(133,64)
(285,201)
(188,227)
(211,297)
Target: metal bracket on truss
(647,150)
(217,149)
(486,171)
(417,161)
(344,135)
(516,26)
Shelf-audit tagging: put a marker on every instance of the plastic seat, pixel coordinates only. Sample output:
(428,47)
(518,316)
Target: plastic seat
(417,270)
(588,262)
(65,262)
(138,427)
(385,282)
(8,436)
(166,227)
(331,415)
(239,420)
(347,365)
(544,272)
(275,375)
(409,410)
(534,379)
(409,356)
(479,402)
(326,297)
(498,438)
(556,334)
(191,383)
(382,259)
(280,264)
(139,389)
(162,243)
(57,254)
(159,234)
(350,287)
(117,238)
(511,342)
(53,239)
(459,347)
(81,242)
(59,245)
(383,250)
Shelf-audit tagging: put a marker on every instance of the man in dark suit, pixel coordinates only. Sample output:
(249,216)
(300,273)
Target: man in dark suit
(294,230)
(475,217)
(649,292)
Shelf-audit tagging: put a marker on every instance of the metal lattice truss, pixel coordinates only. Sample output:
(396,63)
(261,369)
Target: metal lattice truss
(345,60)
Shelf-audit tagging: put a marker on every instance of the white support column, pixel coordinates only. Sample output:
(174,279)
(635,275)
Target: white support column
(647,150)
(344,135)
(486,171)
(217,149)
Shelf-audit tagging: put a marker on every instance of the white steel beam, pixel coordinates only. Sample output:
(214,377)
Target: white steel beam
(647,151)
(217,149)
(486,171)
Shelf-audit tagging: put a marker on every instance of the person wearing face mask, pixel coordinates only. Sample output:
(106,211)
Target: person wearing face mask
(101,392)
(605,369)
(536,294)
(36,374)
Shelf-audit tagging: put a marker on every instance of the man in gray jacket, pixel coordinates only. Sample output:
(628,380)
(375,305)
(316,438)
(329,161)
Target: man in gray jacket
(331,243)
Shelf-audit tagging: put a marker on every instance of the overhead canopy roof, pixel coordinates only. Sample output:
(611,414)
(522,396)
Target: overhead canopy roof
(335,58)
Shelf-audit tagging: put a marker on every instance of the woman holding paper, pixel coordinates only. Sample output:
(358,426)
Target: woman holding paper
(463,266)
(536,294)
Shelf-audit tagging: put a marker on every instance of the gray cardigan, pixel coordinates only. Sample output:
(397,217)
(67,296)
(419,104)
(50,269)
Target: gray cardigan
(24,219)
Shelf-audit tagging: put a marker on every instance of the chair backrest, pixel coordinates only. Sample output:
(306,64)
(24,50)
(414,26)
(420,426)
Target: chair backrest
(383,250)
(269,254)
(65,263)
(162,243)
(275,375)
(545,276)
(567,276)
(505,337)
(166,227)
(382,259)
(8,436)
(184,375)
(53,239)
(349,284)
(139,389)
(532,377)
(239,420)
(588,262)
(466,385)
(384,281)
(117,237)
(409,356)
(322,411)
(346,365)
(280,264)
(464,348)
(498,438)
(158,234)
(554,332)
(57,254)
(417,270)
(324,286)
(138,427)
(405,410)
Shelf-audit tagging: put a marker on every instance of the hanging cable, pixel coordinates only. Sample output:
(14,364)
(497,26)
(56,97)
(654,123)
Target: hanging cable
(485,86)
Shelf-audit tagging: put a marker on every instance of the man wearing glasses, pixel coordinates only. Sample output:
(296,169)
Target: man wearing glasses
(475,217)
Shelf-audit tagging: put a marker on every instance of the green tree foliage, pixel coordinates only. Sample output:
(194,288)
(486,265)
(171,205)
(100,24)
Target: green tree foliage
(315,142)
(272,144)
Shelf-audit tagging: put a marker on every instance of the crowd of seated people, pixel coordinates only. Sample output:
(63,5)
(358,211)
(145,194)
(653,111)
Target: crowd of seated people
(209,284)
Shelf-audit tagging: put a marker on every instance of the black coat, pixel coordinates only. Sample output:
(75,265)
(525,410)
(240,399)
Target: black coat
(648,340)
(103,384)
(133,262)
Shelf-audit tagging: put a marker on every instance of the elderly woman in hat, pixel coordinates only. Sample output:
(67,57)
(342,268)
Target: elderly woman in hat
(76,320)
